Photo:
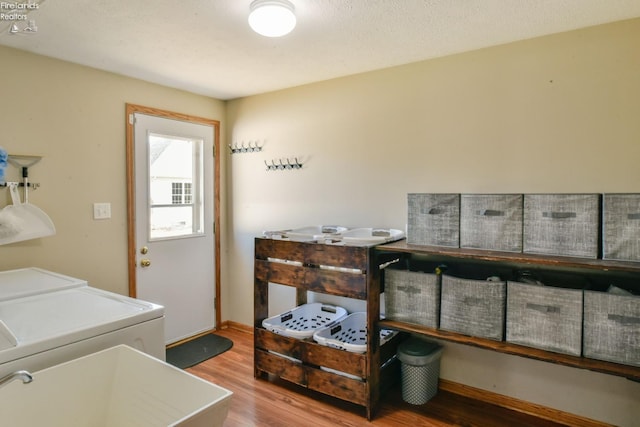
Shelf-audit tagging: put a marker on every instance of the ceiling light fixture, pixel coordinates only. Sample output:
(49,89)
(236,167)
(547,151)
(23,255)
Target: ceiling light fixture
(272,18)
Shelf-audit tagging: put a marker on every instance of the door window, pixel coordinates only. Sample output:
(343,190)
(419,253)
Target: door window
(175,187)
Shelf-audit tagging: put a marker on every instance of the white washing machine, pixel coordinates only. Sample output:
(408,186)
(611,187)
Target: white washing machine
(48,318)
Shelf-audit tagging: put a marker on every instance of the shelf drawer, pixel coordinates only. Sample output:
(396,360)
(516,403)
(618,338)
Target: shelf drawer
(349,257)
(412,297)
(473,307)
(351,285)
(312,254)
(561,224)
(621,227)
(327,281)
(612,327)
(337,386)
(279,249)
(308,352)
(281,367)
(491,221)
(276,272)
(433,219)
(545,317)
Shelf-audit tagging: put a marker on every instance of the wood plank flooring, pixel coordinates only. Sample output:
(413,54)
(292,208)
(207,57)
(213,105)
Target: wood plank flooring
(277,403)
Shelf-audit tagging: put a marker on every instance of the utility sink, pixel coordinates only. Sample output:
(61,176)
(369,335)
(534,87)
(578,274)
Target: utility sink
(119,387)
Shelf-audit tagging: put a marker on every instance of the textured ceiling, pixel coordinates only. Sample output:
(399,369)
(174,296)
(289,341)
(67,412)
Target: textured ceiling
(207,47)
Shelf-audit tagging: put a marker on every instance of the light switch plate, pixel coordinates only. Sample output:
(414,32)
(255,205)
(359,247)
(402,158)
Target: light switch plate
(101,210)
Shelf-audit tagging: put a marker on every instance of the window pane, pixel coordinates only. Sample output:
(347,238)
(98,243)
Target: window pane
(171,221)
(176,193)
(175,183)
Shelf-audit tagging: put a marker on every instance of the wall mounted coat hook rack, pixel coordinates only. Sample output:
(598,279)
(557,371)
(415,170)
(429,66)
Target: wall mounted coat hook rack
(250,147)
(287,164)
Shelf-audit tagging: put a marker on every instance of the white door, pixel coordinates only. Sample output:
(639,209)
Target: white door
(174,222)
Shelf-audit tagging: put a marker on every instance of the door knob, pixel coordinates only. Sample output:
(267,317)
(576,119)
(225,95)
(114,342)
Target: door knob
(145,263)
(144,250)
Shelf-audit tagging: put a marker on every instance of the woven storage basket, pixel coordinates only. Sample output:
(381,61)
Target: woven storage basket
(434,219)
(473,307)
(612,327)
(621,227)
(412,297)
(545,317)
(561,224)
(491,221)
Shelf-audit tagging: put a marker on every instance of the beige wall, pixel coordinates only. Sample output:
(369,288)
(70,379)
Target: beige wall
(553,114)
(74,117)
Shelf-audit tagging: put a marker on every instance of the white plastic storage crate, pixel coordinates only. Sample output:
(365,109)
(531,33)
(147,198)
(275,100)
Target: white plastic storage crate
(350,334)
(561,224)
(491,221)
(621,227)
(433,219)
(304,320)
(545,317)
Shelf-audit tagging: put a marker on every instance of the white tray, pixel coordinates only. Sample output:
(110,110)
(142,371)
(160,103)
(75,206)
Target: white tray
(315,233)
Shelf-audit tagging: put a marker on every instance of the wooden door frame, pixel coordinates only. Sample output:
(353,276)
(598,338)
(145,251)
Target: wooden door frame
(131,211)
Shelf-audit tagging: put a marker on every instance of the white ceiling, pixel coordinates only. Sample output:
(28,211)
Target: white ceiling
(207,47)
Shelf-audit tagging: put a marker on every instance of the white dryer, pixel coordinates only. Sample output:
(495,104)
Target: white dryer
(48,318)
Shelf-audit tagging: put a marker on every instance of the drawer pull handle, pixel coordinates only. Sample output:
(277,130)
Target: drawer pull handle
(625,320)
(435,211)
(633,216)
(472,300)
(412,290)
(490,212)
(559,215)
(543,308)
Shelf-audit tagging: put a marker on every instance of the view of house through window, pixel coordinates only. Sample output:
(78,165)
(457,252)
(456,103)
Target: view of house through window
(175,183)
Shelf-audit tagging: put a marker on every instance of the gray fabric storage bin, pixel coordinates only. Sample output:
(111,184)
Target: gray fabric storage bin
(612,327)
(621,227)
(491,221)
(412,297)
(545,317)
(561,224)
(433,219)
(473,307)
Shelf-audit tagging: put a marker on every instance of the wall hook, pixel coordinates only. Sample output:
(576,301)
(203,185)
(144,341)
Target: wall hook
(286,164)
(250,147)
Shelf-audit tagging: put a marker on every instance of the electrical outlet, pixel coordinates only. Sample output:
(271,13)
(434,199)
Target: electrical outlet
(101,210)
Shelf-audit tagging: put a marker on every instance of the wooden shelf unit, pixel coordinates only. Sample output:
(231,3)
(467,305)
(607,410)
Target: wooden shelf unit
(302,265)
(579,265)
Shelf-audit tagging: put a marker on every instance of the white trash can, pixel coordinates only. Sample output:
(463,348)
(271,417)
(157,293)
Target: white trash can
(420,366)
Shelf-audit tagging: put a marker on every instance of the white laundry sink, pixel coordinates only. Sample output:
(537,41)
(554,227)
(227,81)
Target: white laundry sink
(119,387)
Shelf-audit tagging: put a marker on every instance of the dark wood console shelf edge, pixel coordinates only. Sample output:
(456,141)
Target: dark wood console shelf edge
(511,257)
